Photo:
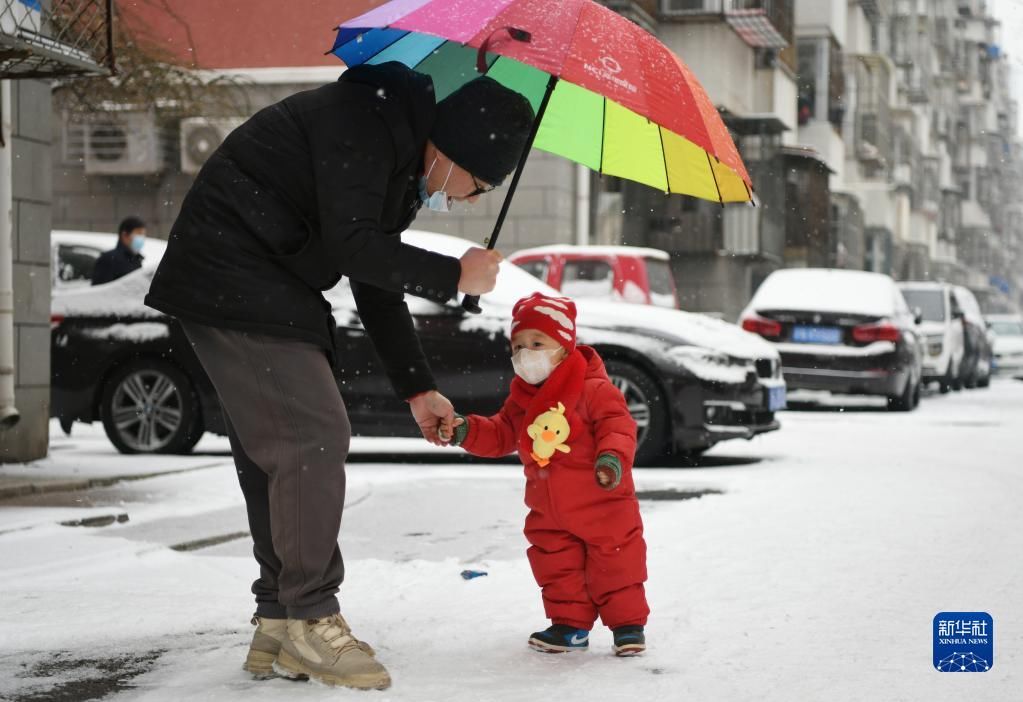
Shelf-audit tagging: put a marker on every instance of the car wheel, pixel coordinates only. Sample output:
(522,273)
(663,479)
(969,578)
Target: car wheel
(149,406)
(947,381)
(648,407)
(905,401)
(985,381)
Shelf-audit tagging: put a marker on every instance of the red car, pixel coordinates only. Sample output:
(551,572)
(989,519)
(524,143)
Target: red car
(620,273)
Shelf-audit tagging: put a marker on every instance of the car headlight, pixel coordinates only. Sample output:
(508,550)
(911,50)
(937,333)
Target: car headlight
(935,344)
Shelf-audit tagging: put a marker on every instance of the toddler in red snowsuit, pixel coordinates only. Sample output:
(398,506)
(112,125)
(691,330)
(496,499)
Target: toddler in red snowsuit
(576,440)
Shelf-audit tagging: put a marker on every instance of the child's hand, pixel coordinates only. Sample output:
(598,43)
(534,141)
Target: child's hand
(608,471)
(446,432)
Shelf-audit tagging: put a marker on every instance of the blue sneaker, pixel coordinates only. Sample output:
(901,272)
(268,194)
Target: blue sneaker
(629,641)
(560,638)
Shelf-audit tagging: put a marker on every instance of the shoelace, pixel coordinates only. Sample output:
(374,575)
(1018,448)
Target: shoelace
(336,634)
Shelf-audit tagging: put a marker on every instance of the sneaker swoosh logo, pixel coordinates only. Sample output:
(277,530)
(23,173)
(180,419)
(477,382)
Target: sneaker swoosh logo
(576,640)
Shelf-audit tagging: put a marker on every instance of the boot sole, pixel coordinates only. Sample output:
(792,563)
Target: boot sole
(629,650)
(544,647)
(288,666)
(260,664)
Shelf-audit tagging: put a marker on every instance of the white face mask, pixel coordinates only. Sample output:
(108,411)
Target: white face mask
(534,365)
(438,202)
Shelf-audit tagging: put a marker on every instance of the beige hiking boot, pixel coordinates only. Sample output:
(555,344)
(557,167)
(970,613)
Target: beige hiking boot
(266,643)
(324,650)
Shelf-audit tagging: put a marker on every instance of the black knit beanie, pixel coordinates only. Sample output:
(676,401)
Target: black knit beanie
(483,127)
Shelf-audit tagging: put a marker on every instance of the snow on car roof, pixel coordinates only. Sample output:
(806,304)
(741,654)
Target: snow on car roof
(118,298)
(568,249)
(922,285)
(693,328)
(827,290)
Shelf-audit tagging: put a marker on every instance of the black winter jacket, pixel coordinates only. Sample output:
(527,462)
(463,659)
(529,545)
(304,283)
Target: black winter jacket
(317,186)
(115,263)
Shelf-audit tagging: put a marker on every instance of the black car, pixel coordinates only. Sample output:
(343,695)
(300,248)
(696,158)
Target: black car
(844,331)
(119,362)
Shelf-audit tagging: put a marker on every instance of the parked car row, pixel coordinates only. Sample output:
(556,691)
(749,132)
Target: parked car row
(690,381)
(1007,330)
(856,332)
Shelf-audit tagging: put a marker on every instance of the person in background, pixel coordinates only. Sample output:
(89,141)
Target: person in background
(126,256)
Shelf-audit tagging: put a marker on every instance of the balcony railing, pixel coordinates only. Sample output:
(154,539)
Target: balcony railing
(780,13)
(873,122)
(55,38)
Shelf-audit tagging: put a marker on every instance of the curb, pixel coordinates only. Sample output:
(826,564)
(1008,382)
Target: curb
(21,488)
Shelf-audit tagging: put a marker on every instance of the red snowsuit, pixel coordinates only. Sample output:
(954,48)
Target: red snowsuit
(587,549)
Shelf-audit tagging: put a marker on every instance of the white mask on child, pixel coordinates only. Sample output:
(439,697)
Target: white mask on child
(534,365)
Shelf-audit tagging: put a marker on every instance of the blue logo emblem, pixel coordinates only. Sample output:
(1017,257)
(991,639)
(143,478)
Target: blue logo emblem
(964,642)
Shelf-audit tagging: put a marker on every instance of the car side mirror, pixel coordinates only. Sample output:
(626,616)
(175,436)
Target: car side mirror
(918,315)
(957,314)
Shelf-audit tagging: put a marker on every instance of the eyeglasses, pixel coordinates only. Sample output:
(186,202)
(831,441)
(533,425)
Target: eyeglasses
(480,190)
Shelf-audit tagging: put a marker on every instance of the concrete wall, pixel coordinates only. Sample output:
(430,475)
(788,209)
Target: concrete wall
(718,285)
(31,247)
(719,58)
(543,211)
(829,15)
(775,92)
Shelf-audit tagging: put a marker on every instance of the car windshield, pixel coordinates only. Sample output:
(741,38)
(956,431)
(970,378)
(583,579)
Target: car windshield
(930,302)
(662,285)
(583,278)
(1007,328)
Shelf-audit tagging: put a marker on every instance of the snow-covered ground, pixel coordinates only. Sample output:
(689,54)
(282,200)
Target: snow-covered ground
(814,575)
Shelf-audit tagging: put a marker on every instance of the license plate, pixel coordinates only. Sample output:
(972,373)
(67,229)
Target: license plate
(816,335)
(775,399)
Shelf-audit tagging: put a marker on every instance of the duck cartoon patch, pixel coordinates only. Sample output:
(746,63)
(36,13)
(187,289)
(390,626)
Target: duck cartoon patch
(549,431)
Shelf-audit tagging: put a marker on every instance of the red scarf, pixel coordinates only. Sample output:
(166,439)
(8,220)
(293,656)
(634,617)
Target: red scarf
(542,436)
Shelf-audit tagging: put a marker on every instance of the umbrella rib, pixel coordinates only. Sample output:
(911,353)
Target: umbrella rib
(715,176)
(664,159)
(603,132)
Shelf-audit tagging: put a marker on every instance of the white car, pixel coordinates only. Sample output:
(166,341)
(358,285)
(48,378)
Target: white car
(73,255)
(942,329)
(1008,343)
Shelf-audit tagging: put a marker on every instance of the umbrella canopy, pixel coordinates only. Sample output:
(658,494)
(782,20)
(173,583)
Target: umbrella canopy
(622,103)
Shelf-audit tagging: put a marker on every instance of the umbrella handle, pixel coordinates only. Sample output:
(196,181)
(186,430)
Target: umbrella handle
(514,32)
(471,303)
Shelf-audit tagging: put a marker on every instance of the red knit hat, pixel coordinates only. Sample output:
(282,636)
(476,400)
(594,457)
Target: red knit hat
(554,316)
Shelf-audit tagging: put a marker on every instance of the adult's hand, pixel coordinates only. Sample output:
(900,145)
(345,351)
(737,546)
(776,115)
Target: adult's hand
(432,412)
(479,271)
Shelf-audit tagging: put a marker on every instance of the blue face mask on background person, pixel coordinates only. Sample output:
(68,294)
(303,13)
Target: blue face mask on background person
(438,202)
(137,242)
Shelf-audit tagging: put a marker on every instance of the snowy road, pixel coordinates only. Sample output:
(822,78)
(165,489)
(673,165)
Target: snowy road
(814,575)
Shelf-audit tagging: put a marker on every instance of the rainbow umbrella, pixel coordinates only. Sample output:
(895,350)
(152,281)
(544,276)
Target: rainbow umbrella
(607,94)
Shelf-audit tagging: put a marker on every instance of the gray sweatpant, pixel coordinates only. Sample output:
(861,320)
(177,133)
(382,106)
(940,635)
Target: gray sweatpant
(289,434)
